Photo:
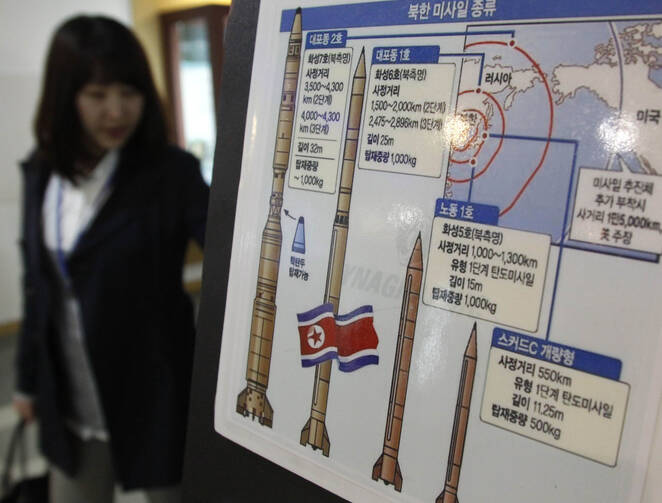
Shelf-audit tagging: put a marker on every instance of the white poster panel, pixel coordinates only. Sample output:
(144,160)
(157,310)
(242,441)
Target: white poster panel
(445,277)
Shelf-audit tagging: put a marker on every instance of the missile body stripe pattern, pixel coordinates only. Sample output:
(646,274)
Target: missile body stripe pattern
(253,399)
(456,449)
(396,380)
(387,467)
(314,432)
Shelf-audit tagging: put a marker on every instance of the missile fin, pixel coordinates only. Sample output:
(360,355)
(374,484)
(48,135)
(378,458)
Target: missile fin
(398,477)
(377,468)
(305,433)
(267,417)
(241,403)
(326,444)
(254,403)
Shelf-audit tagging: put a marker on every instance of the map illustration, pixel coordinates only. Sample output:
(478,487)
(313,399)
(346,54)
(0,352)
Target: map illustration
(536,117)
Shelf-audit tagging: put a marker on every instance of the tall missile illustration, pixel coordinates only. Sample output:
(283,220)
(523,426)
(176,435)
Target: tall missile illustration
(387,467)
(314,432)
(456,450)
(253,399)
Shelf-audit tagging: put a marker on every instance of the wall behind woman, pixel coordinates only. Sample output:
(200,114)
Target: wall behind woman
(147,27)
(25,30)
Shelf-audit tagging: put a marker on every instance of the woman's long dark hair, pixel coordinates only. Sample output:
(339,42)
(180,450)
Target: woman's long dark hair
(92,49)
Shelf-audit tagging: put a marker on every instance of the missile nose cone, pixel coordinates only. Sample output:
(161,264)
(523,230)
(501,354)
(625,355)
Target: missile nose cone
(360,66)
(416,258)
(296,24)
(472,350)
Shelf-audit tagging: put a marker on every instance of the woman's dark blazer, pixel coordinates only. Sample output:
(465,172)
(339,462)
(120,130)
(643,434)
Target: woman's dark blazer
(126,272)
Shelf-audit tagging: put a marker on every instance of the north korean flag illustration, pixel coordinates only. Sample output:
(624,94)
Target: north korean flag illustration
(351,338)
(317,334)
(357,340)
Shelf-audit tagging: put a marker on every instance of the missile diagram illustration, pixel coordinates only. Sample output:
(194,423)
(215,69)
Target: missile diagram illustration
(299,242)
(456,450)
(387,467)
(314,432)
(253,399)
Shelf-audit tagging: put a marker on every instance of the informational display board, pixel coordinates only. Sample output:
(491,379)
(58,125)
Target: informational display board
(445,275)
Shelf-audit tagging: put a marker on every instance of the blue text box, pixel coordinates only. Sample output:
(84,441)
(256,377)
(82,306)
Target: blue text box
(467,211)
(326,39)
(405,54)
(559,354)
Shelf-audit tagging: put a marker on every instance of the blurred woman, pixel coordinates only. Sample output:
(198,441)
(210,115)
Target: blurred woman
(105,350)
